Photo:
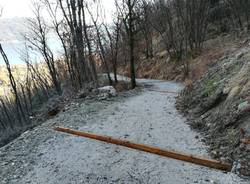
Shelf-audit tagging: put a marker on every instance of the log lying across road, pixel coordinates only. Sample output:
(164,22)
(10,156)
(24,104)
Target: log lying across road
(150,149)
(163,91)
(245,141)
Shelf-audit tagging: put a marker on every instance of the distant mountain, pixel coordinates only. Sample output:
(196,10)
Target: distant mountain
(12,29)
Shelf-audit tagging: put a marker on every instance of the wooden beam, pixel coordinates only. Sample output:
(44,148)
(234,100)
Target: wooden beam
(163,91)
(245,141)
(150,149)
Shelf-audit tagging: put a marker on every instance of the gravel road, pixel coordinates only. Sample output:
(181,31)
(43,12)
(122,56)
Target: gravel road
(144,116)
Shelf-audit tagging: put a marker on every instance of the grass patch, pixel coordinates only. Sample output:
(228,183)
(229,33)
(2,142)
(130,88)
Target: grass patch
(211,85)
(232,136)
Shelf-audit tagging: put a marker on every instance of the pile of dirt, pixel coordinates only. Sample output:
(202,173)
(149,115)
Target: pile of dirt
(219,104)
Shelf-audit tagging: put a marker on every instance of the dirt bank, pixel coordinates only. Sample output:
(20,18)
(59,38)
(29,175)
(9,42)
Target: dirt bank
(145,116)
(162,67)
(219,106)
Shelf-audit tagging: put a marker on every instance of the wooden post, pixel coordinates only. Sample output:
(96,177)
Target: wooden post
(150,149)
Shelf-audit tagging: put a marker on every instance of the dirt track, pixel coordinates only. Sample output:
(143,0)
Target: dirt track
(149,117)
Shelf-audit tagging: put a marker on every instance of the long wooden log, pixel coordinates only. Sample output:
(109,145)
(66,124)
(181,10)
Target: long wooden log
(150,149)
(163,91)
(245,141)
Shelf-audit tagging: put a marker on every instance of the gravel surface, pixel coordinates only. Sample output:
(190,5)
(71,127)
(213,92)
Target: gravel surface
(143,116)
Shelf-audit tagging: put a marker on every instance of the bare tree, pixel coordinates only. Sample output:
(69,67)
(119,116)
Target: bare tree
(89,47)
(239,12)
(38,39)
(144,11)
(34,74)
(100,44)
(6,118)
(73,13)
(18,105)
(127,11)
(114,43)
(183,26)
(52,8)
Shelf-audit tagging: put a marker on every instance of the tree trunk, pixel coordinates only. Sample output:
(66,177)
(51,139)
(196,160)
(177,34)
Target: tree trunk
(131,44)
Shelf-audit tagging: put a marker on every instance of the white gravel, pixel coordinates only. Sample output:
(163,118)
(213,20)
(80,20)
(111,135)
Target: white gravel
(148,117)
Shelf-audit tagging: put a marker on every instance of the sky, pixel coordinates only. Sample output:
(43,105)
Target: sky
(22,8)
(16,8)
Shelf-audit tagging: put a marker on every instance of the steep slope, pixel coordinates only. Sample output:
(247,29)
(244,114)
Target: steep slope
(219,105)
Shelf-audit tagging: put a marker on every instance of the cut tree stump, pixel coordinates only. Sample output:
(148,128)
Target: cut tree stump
(154,150)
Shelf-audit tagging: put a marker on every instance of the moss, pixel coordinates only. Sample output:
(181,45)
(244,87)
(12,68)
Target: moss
(236,68)
(211,85)
(175,58)
(232,136)
(190,56)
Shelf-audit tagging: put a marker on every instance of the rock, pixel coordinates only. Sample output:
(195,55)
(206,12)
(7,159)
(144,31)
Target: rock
(101,93)
(103,96)
(244,106)
(203,140)
(53,106)
(214,153)
(246,41)
(234,92)
(236,167)
(54,111)
(248,148)
(246,87)
(110,90)
(94,91)
(240,54)
(106,92)
(207,180)
(226,65)
(242,147)
(214,181)
(83,93)
(244,169)
(223,159)
(226,90)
